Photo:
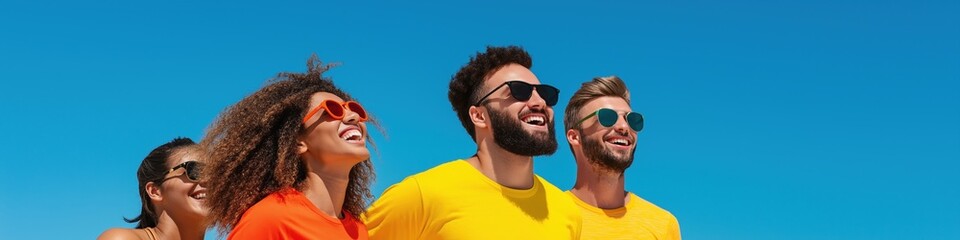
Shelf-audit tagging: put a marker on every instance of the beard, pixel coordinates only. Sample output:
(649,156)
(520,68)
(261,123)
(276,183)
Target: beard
(606,159)
(509,134)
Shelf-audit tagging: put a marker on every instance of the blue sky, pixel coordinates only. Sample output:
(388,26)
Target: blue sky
(765,119)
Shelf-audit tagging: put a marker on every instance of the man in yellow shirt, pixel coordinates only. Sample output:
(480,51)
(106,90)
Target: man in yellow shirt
(602,131)
(494,193)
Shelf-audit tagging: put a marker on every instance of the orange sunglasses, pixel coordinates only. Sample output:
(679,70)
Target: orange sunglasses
(337,109)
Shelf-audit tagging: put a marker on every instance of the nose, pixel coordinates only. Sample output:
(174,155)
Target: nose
(350,116)
(535,100)
(621,126)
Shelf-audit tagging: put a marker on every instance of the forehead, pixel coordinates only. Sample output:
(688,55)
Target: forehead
(611,102)
(510,72)
(183,154)
(318,97)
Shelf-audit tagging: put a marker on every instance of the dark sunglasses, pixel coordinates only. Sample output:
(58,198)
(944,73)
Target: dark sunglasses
(608,117)
(522,91)
(337,109)
(193,169)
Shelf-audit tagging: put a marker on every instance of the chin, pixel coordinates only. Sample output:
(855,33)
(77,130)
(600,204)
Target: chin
(198,209)
(361,157)
(202,212)
(355,156)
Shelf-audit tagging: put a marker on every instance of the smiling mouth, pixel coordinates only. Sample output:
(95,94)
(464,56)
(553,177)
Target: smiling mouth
(199,195)
(619,141)
(534,119)
(352,135)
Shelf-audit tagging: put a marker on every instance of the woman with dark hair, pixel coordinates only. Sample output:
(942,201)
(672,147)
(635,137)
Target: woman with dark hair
(290,161)
(171,198)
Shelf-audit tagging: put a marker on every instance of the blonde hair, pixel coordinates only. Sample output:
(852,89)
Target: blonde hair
(610,86)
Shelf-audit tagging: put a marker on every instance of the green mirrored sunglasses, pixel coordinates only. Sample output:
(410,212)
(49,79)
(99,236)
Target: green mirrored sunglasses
(608,117)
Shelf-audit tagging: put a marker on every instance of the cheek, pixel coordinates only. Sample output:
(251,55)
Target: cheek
(323,134)
(175,191)
(515,108)
(322,142)
(596,137)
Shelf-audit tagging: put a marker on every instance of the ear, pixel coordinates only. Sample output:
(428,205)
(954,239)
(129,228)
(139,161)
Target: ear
(153,191)
(301,146)
(477,116)
(573,137)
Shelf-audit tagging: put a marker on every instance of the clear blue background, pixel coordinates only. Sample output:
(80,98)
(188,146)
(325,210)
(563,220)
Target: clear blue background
(765,119)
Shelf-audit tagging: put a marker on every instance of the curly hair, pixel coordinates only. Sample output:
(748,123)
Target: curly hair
(466,84)
(251,147)
(152,169)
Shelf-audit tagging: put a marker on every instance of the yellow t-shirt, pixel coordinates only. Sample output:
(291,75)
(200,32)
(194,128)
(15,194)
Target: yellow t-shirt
(638,219)
(456,201)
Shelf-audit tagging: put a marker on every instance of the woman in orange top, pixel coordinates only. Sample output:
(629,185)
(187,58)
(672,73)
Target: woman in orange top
(290,161)
(171,200)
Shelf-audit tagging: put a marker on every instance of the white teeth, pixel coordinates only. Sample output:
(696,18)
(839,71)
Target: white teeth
(200,196)
(535,120)
(621,141)
(351,134)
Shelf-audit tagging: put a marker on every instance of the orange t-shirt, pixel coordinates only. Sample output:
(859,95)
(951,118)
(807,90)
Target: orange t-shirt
(288,214)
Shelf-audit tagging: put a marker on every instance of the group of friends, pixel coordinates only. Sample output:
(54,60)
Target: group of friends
(290,161)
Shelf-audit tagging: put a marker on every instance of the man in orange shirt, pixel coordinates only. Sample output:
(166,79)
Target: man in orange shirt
(602,131)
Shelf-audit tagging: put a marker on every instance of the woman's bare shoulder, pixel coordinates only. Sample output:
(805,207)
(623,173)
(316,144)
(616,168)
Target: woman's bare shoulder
(121,234)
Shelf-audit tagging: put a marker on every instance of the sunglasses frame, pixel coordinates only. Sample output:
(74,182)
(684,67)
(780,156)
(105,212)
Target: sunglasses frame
(344,107)
(186,171)
(533,87)
(626,117)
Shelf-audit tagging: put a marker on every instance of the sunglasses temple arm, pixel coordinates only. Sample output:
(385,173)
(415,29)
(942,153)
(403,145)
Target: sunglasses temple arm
(488,94)
(585,118)
(311,113)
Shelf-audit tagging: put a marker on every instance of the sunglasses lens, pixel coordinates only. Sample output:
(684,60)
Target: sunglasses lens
(194,171)
(355,107)
(549,94)
(520,90)
(334,108)
(635,120)
(607,117)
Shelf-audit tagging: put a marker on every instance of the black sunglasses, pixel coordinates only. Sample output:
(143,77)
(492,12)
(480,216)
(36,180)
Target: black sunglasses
(193,169)
(522,91)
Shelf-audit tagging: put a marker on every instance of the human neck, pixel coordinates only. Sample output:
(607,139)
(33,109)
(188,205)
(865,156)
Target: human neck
(167,228)
(599,187)
(326,187)
(506,168)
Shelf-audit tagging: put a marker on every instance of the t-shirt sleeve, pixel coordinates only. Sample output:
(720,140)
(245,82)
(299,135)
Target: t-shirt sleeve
(674,229)
(398,214)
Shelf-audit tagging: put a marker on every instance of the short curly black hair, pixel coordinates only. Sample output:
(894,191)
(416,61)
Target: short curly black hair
(464,85)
